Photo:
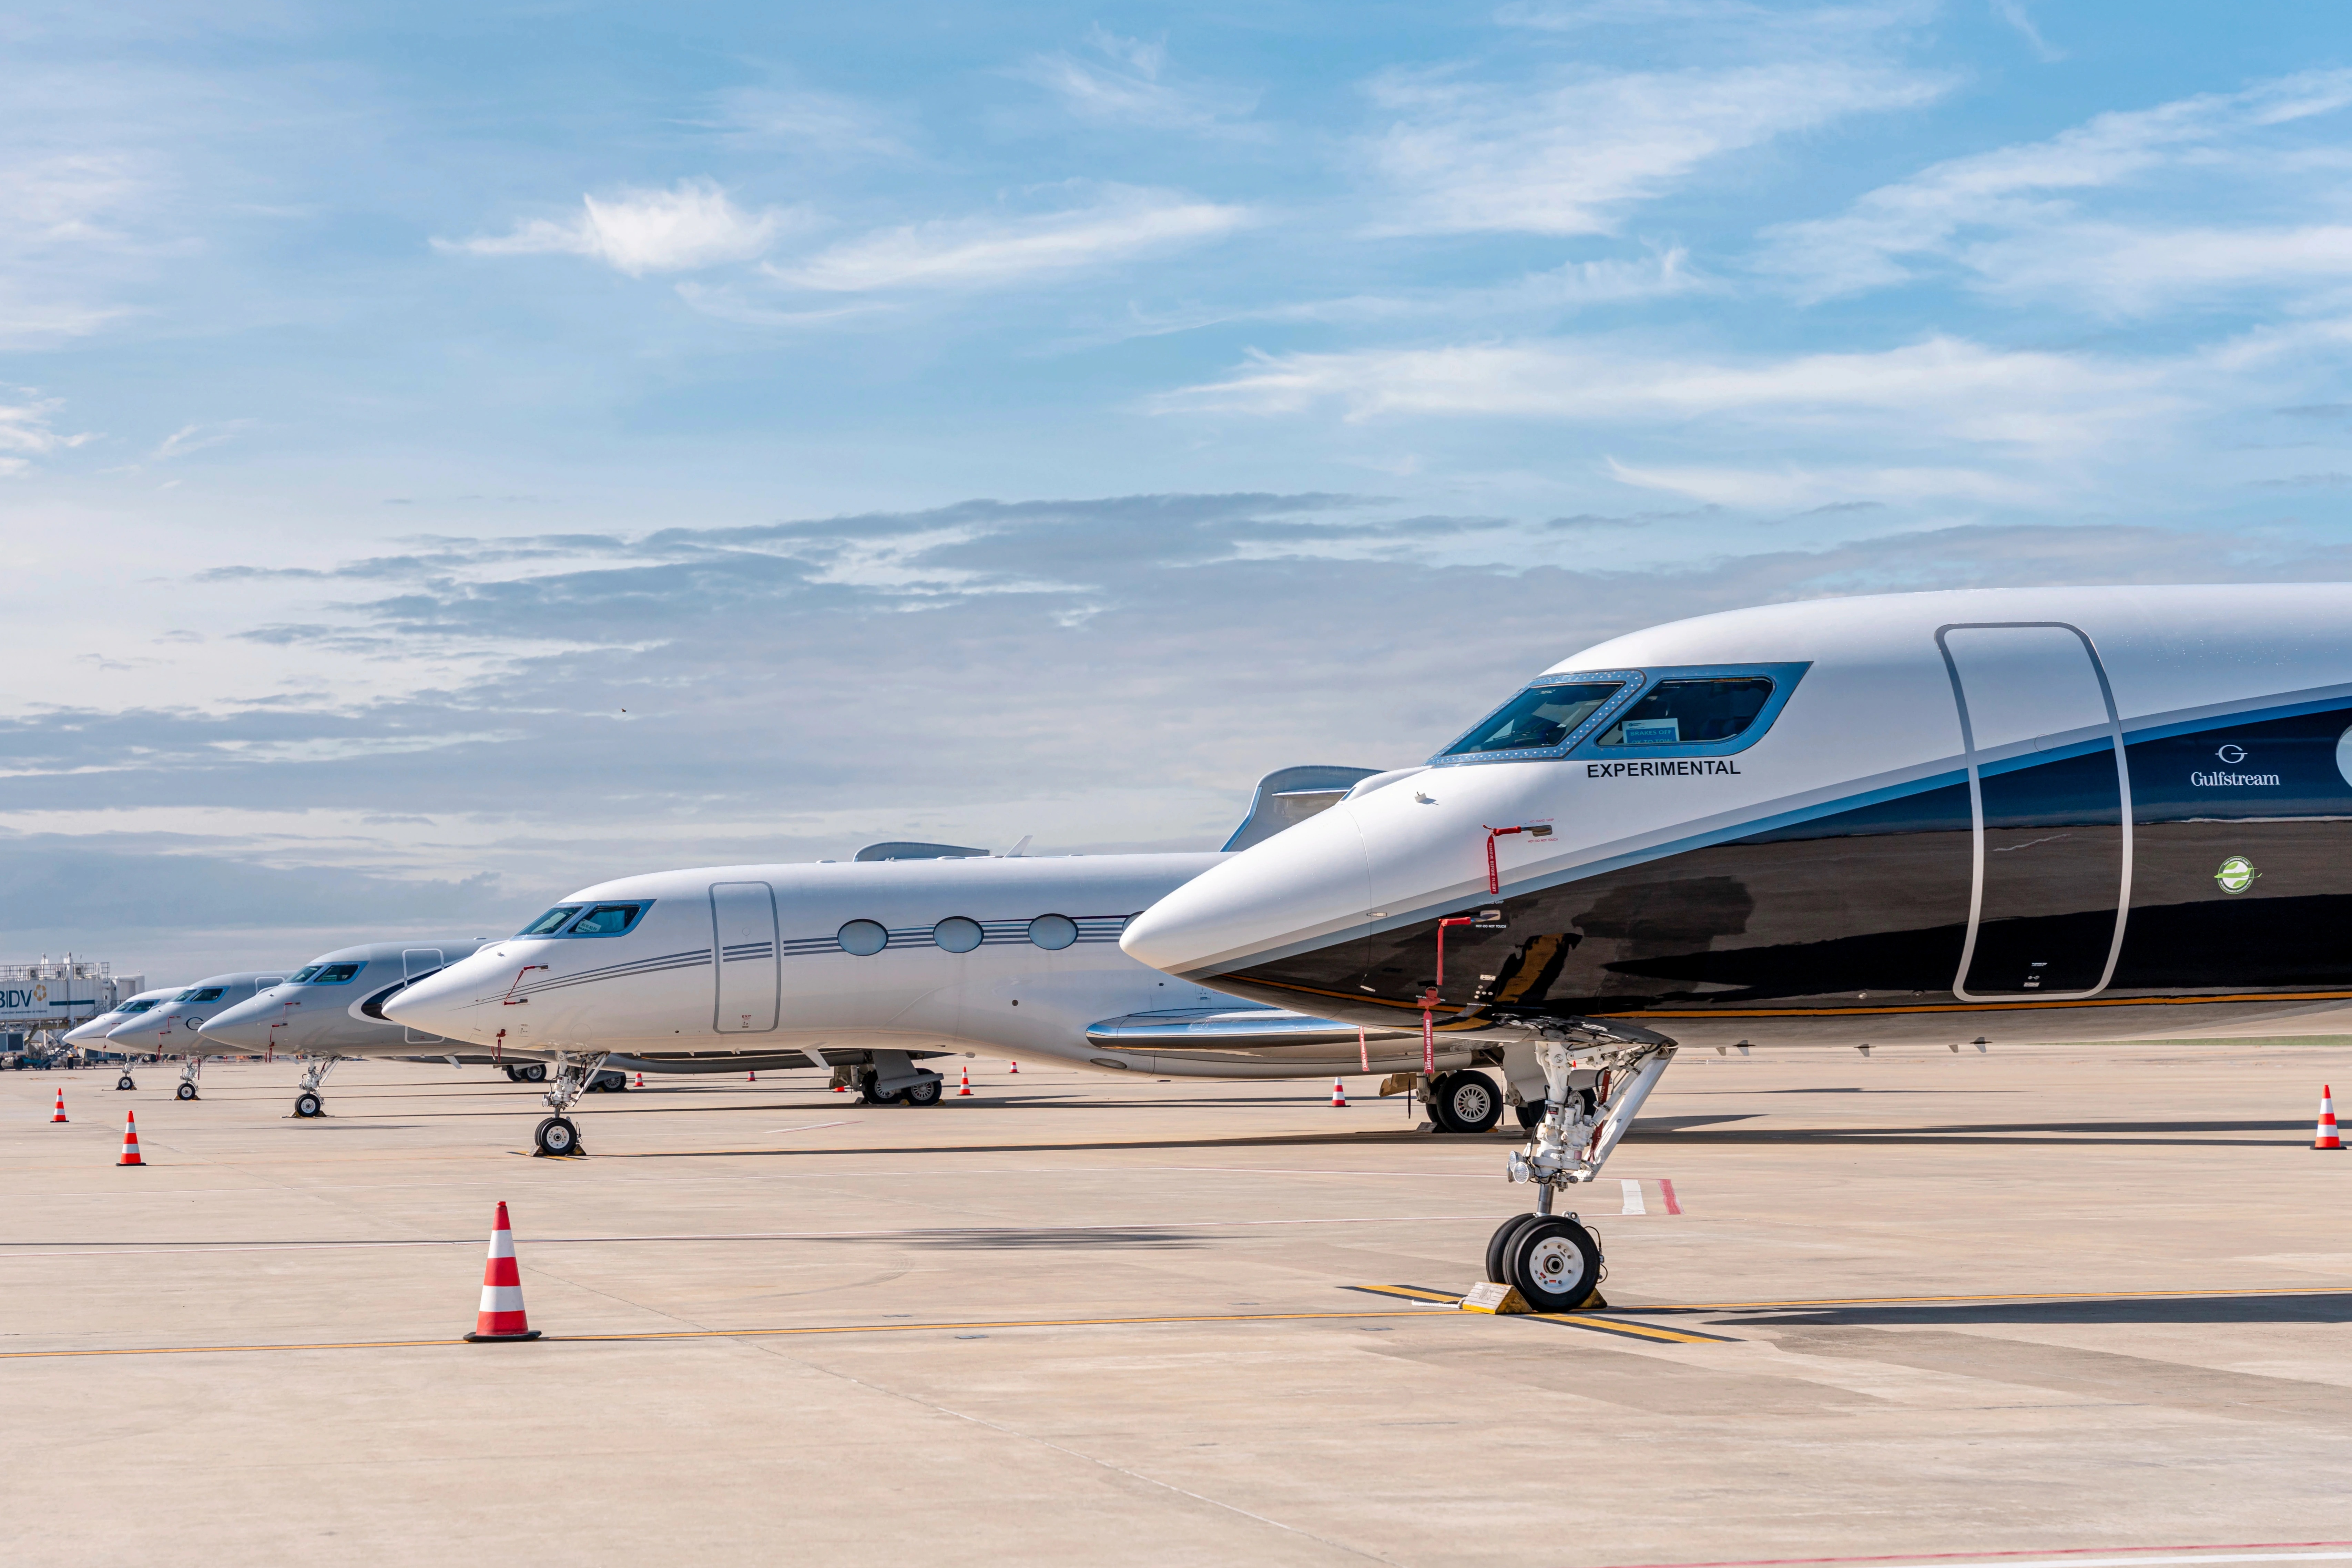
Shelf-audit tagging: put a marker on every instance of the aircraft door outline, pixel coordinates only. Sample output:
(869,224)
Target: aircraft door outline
(1968,739)
(746,965)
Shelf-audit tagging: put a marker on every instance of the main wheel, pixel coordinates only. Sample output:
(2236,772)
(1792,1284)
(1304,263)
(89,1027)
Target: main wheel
(308,1104)
(1471,1101)
(556,1135)
(1555,1264)
(187,1090)
(535,1073)
(1530,1116)
(1498,1249)
(514,1076)
(124,1082)
(924,1093)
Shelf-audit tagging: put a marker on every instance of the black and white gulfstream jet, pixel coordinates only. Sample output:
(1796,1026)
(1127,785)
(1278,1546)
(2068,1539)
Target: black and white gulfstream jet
(2065,813)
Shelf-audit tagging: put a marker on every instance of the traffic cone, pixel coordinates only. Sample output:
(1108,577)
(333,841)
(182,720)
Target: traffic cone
(966,1089)
(641,1081)
(60,1115)
(751,1076)
(2325,1137)
(130,1140)
(502,1316)
(1015,1067)
(1339,1095)
(840,1088)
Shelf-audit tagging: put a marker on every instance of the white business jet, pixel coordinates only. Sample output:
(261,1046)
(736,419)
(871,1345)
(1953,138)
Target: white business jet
(861,966)
(2063,814)
(94,1033)
(170,1028)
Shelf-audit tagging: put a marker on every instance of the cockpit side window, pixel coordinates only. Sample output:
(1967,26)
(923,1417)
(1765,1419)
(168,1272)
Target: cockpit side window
(200,993)
(607,919)
(333,974)
(1689,712)
(1539,719)
(550,922)
(302,975)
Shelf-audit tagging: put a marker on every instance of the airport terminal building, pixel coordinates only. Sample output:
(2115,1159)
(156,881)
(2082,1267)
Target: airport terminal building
(56,995)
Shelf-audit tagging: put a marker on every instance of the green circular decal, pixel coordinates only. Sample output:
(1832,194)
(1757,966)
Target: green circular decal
(2236,875)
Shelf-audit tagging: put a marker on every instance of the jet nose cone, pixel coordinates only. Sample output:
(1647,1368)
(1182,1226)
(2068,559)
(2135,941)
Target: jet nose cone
(87,1034)
(138,1031)
(1306,883)
(443,1003)
(245,1026)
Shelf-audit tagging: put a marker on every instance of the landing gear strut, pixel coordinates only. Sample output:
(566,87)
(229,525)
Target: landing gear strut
(1551,1258)
(306,1100)
(188,1072)
(558,1134)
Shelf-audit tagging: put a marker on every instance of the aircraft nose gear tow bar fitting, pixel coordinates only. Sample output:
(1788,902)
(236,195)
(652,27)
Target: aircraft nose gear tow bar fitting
(307,1102)
(1551,1258)
(557,1134)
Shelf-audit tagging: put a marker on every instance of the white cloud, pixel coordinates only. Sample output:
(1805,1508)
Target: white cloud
(195,438)
(63,229)
(1125,85)
(1800,486)
(2009,217)
(693,225)
(979,252)
(2013,12)
(805,119)
(1568,157)
(27,431)
(1943,386)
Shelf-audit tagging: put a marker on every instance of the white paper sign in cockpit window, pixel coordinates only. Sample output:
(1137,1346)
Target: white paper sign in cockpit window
(1653,731)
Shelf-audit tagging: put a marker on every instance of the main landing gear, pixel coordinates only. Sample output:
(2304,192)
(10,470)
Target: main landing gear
(895,1080)
(1552,1261)
(559,1134)
(1464,1101)
(306,1100)
(529,1072)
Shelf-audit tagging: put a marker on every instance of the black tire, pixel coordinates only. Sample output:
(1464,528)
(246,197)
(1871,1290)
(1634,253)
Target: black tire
(1440,1117)
(1498,1249)
(187,1090)
(1530,1116)
(124,1082)
(308,1104)
(513,1075)
(1471,1100)
(1555,1264)
(557,1136)
(535,1073)
(868,1095)
(924,1093)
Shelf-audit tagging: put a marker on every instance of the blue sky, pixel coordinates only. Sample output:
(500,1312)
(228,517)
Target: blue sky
(450,459)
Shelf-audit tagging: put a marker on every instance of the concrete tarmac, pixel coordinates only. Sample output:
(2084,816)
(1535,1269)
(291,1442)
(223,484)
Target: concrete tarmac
(2066,1300)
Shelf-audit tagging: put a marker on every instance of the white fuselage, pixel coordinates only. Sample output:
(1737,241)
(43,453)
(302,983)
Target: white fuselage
(755,959)
(174,1029)
(321,1008)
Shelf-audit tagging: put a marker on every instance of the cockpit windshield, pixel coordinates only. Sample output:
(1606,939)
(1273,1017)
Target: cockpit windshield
(303,975)
(1537,718)
(200,993)
(334,974)
(1681,712)
(130,1007)
(608,920)
(550,922)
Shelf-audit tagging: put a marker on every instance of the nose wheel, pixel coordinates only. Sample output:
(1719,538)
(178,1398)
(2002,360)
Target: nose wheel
(124,1082)
(187,1090)
(308,1104)
(557,1136)
(1552,1260)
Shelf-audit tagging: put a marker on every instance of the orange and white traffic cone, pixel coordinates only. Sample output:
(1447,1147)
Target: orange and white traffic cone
(641,1081)
(840,1088)
(1339,1095)
(502,1316)
(2325,1137)
(1015,1067)
(966,1089)
(130,1140)
(59,1114)
(751,1076)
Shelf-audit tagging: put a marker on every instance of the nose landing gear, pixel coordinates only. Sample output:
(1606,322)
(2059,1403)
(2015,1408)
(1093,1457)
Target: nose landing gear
(307,1100)
(188,1072)
(558,1136)
(1551,1258)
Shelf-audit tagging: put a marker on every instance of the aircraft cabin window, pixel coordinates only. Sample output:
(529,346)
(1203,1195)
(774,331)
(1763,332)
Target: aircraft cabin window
(200,993)
(1537,718)
(1689,712)
(302,975)
(958,934)
(607,919)
(332,973)
(1053,933)
(864,937)
(550,922)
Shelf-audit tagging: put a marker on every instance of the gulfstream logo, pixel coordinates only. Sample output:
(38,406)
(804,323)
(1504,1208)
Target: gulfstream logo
(1682,767)
(2233,781)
